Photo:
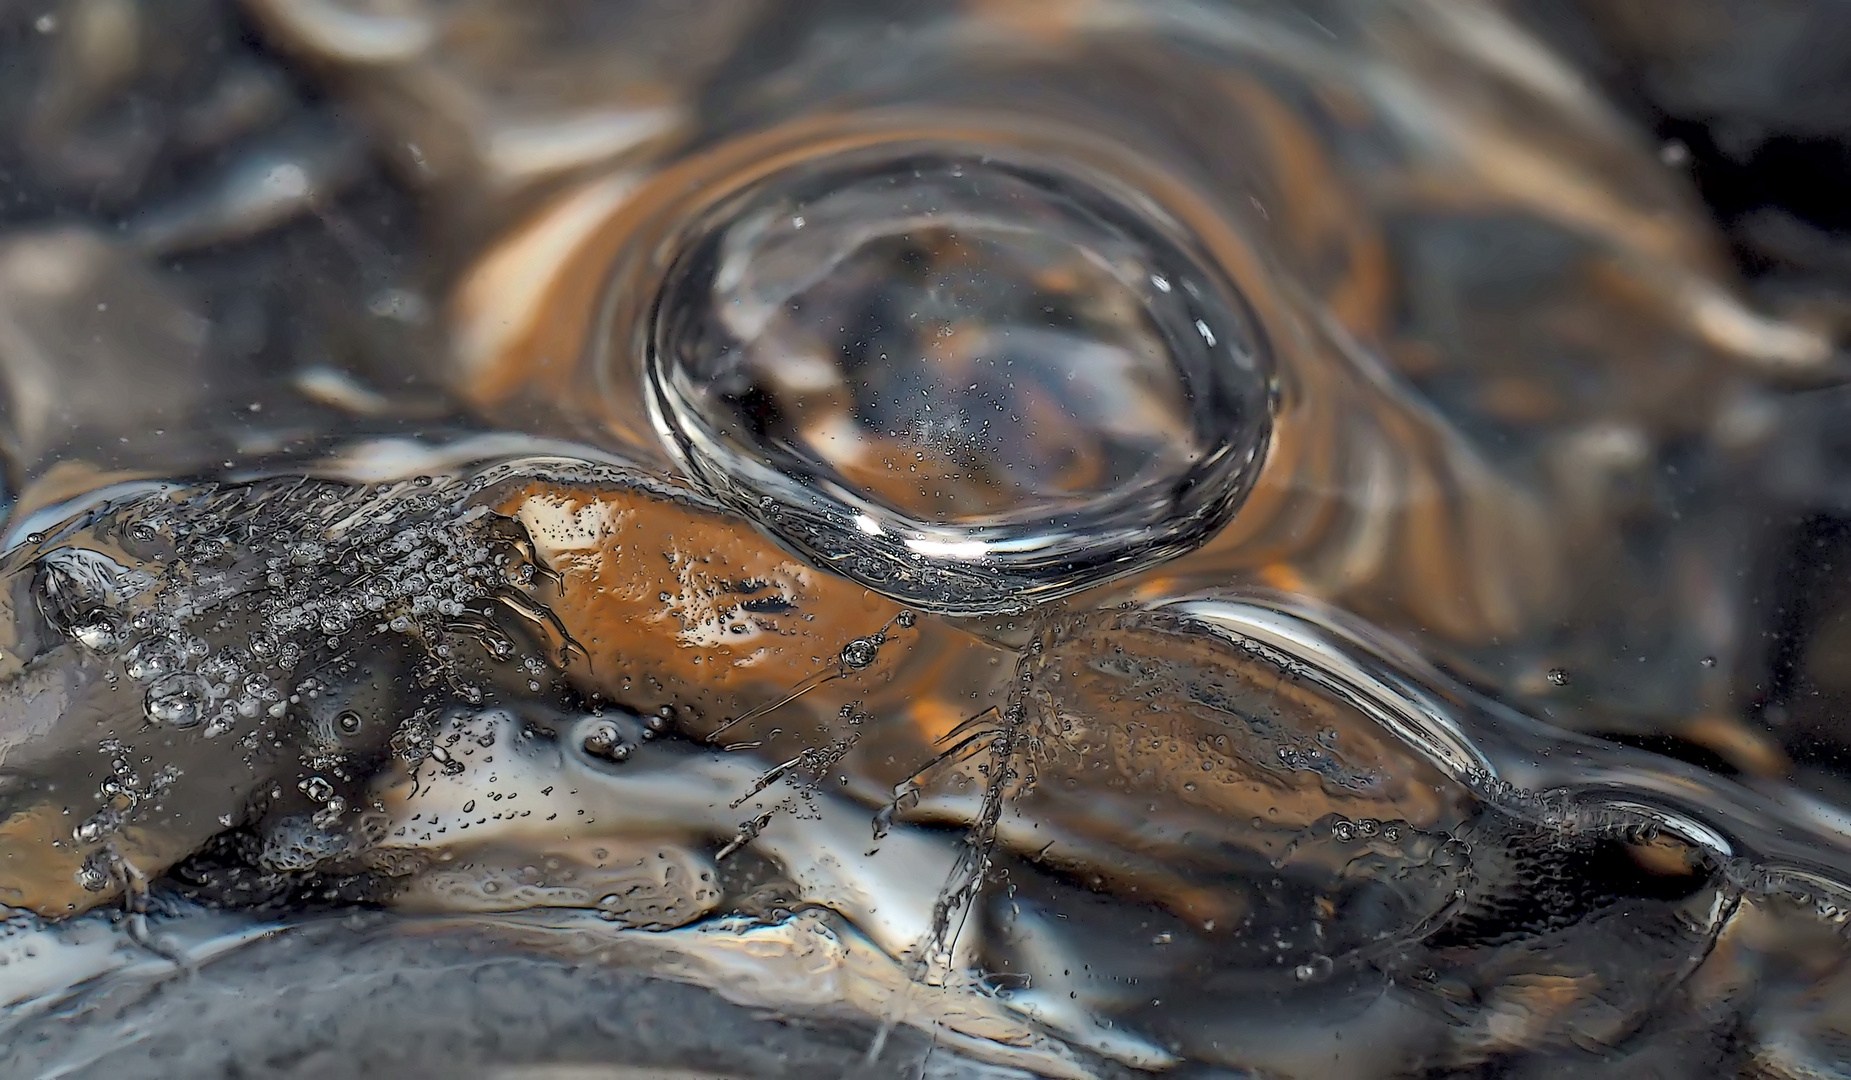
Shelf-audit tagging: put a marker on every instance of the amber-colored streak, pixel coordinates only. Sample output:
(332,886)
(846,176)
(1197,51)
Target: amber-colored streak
(37,872)
(528,317)
(1369,503)
(523,313)
(1495,170)
(1044,22)
(1755,753)
(1155,762)
(1326,231)
(1155,735)
(1525,1008)
(1477,557)
(686,607)
(39,863)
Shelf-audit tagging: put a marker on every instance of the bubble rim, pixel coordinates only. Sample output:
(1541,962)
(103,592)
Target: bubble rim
(994,579)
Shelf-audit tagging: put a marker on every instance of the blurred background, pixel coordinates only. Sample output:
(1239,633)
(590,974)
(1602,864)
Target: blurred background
(237,232)
(1753,100)
(290,191)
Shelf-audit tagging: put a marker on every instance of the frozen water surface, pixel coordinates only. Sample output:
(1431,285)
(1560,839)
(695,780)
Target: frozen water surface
(733,540)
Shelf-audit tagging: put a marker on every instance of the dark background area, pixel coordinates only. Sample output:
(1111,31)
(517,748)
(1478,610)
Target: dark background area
(1753,98)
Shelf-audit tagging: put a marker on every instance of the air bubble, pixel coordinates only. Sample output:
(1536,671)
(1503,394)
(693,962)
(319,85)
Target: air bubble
(92,876)
(177,701)
(845,385)
(1315,969)
(860,652)
(605,741)
(297,843)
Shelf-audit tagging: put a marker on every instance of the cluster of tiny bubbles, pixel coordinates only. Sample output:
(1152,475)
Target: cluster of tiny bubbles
(968,380)
(1314,758)
(415,742)
(653,905)
(125,789)
(300,842)
(231,605)
(1830,903)
(320,791)
(1344,830)
(604,740)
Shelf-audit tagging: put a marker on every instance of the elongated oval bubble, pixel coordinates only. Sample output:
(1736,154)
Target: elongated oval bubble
(968,383)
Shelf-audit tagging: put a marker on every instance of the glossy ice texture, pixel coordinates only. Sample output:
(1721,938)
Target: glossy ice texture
(1071,538)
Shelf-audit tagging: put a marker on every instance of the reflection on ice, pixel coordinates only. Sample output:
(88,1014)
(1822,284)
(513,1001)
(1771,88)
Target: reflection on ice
(491,996)
(985,540)
(246,694)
